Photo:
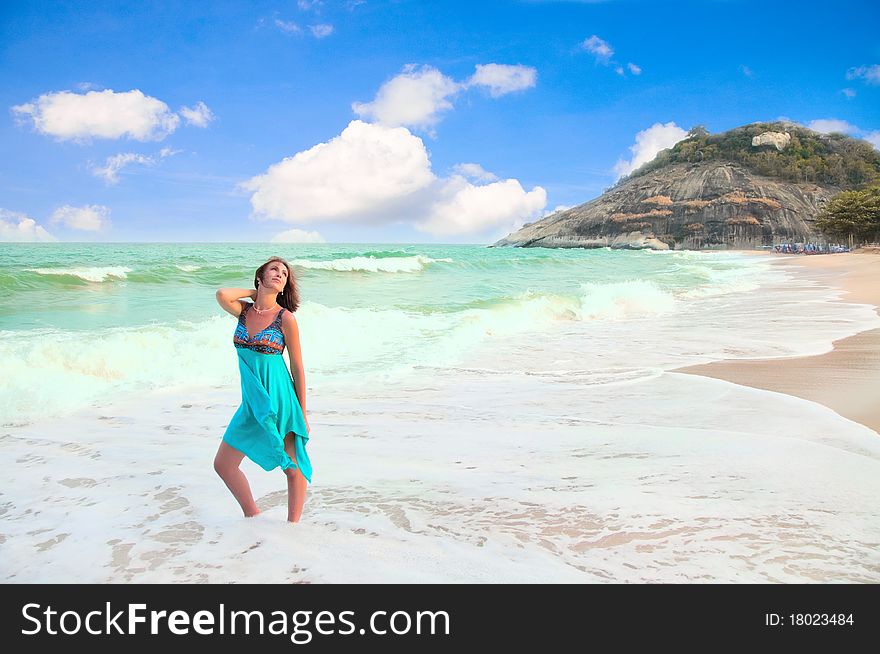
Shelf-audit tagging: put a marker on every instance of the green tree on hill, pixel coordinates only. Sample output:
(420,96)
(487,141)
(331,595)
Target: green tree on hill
(829,159)
(852,215)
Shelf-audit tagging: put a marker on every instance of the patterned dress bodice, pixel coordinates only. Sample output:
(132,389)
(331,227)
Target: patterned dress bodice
(269,340)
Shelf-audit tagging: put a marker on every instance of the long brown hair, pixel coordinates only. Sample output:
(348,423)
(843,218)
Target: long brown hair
(289,297)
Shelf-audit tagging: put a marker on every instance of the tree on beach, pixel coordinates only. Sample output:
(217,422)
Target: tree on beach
(852,215)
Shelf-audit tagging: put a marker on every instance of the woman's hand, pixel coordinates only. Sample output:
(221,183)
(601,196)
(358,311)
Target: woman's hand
(308,429)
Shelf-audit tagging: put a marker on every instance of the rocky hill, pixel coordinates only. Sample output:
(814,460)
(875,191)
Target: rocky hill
(752,186)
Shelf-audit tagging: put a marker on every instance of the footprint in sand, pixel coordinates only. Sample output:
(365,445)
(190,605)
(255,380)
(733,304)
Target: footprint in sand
(31,460)
(52,542)
(76,448)
(78,482)
(183,533)
(171,501)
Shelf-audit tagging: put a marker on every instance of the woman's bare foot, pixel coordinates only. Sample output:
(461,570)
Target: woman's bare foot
(252,515)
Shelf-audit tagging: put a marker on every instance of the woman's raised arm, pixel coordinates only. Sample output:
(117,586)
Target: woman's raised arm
(229,299)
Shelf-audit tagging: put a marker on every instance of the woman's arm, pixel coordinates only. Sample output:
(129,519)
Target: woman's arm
(294,353)
(228,298)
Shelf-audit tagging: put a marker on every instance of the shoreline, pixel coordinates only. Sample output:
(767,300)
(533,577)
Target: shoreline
(841,379)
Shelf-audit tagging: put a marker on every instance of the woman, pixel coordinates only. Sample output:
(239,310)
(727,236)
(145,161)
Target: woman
(270,426)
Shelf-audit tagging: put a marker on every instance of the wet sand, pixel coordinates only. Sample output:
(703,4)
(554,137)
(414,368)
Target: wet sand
(847,379)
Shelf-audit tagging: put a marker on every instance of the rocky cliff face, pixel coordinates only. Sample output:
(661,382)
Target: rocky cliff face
(714,205)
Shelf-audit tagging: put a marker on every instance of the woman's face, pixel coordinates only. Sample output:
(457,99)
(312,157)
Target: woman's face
(275,277)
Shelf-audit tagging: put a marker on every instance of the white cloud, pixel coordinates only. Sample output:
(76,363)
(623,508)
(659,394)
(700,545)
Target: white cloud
(871,74)
(308,4)
(829,125)
(603,52)
(288,26)
(17,227)
(321,30)
(502,78)
(381,173)
(557,208)
(198,115)
(418,95)
(601,49)
(463,208)
(298,236)
(474,171)
(850,93)
(101,114)
(354,174)
(373,173)
(91,218)
(110,171)
(873,138)
(745,70)
(413,98)
(649,142)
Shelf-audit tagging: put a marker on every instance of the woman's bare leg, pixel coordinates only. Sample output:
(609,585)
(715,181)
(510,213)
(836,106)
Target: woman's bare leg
(296,483)
(227,463)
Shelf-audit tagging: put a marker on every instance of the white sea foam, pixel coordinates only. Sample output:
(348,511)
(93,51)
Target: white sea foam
(457,478)
(56,371)
(93,274)
(624,299)
(186,267)
(411,264)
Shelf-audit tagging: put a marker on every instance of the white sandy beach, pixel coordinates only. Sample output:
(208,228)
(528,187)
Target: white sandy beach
(847,379)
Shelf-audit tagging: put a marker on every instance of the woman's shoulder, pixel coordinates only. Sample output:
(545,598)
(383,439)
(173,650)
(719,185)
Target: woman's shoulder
(287,317)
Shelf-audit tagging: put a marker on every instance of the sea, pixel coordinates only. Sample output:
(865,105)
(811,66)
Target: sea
(477,414)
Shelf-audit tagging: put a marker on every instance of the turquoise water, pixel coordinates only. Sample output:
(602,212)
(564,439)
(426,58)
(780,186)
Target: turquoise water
(93,287)
(83,322)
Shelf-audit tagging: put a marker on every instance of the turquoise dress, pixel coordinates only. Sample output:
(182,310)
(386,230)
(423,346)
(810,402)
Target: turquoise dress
(269,407)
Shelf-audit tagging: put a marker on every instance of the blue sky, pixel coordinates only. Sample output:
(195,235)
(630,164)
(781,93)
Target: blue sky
(441,122)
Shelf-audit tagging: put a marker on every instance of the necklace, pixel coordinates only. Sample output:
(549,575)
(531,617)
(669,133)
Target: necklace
(262,311)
